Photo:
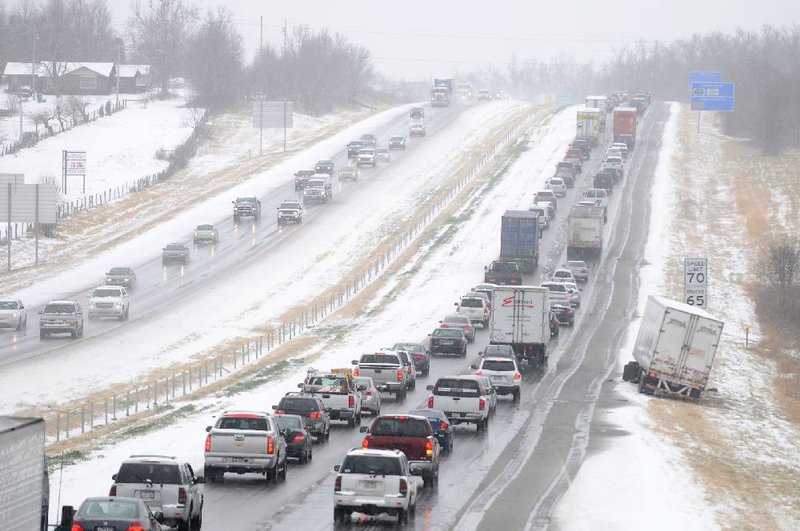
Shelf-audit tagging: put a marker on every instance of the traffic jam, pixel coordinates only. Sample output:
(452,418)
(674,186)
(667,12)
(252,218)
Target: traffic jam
(400,454)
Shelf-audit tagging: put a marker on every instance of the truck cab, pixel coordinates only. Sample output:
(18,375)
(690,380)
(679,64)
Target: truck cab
(338,393)
(502,273)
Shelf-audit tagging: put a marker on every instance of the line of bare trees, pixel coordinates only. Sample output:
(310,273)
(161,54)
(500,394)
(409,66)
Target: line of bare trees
(314,68)
(778,295)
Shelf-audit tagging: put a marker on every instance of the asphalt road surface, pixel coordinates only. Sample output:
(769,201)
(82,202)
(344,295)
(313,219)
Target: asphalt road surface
(512,476)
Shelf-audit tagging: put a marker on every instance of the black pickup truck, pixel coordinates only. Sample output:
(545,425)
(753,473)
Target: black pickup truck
(503,273)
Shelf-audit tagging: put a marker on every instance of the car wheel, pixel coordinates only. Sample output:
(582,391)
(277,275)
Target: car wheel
(464,352)
(187,524)
(197,521)
(42,334)
(73,334)
(402,516)
(479,425)
(515,395)
(351,422)
(413,385)
(285,469)
(327,436)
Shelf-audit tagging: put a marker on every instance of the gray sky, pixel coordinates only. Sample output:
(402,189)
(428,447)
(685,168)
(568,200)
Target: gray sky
(421,39)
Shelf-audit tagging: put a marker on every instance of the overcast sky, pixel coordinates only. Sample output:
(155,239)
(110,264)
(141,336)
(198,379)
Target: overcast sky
(421,39)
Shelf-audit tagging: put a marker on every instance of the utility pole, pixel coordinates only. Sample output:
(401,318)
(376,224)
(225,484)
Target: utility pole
(33,67)
(119,46)
(20,117)
(261,43)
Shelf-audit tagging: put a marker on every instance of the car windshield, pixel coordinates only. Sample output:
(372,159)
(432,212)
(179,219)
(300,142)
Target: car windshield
(447,332)
(8,305)
(63,309)
(205,227)
(316,183)
(576,263)
(495,350)
(456,319)
(174,247)
(289,204)
(564,274)
(105,292)
(400,427)
(120,271)
(372,465)
(545,193)
(472,302)
(246,200)
(362,382)
(301,405)
(161,473)
(290,422)
(555,287)
(110,509)
(305,173)
(244,423)
(409,347)
(558,182)
(391,359)
(397,139)
(456,387)
(429,414)
(498,365)
(328,381)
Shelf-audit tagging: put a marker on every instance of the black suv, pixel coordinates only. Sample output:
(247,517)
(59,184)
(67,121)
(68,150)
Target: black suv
(369,140)
(583,144)
(311,408)
(353,147)
(246,207)
(417,112)
(301,178)
(324,166)
(449,341)
(605,181)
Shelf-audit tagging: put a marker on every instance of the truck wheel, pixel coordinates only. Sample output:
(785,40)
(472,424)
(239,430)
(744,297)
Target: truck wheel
(402,516)
(479,425)
(515,395)
(285,469)
(351,422)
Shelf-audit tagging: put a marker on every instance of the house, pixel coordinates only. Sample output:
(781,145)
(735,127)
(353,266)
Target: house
(134,78)
(19,75)
(85,78)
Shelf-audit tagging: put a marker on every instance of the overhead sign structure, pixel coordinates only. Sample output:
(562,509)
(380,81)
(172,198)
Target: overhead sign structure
(695,282)
(272,115)
(27,203)
(712,96)
(705,77)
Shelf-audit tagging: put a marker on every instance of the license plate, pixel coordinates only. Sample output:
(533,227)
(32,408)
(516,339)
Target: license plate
(497,378)
(369,484)
(235,459)
(146,494)
(446,342)
(462,414)
(104,529)
(378,371)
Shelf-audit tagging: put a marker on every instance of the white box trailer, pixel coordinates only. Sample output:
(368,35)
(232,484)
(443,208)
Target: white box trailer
(675,348)
(24,484)
(521,318)
(589,124)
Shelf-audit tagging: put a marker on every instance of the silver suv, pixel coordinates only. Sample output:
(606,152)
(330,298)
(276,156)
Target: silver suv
(165,485)
(61,317)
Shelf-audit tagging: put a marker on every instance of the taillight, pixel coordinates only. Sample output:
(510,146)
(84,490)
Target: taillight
(368,393)
(355,371)
(429,448)
(279,412)
(351,400)
(208,449)
(181,496)
(443,425)
(478,373)
(481,404)
(337,485)
(403,487)
(136,526)
(651,374)
(467,327)
(365,443)
(419,356)
(315,415)
(270,446)
(399,374)
(76,526)
(430,402)
(517,376)
(299,438)
(113,490)
(444,325)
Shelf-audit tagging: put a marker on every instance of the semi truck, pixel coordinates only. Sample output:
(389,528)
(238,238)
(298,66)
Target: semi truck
(590,123)
(625,122)
(585,232)
(519,239)
(596,102)
(521,318)
(446,82)
(440,97)
(24,483)
(674,350)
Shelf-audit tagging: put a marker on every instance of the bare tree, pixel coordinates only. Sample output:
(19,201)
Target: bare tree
(159,31)
(214,63)
(41,116)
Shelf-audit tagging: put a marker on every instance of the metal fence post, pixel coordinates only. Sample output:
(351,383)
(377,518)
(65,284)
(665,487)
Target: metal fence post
(58,427)
(105,406)
(66,419)
(136,392)
(83,409)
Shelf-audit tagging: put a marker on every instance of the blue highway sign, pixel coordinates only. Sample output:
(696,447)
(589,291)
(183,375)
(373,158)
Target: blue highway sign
(712,96)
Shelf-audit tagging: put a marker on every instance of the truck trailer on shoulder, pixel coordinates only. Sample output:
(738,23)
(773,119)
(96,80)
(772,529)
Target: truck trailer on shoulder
(24,483)
(675,349)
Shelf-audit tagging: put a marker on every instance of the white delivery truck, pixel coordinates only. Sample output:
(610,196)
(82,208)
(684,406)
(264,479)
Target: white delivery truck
(589,124)
(675,349)
(24,485)
(585,225)
(521,318)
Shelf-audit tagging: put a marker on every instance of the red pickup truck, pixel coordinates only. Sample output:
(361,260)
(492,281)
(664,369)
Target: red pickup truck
(412,435)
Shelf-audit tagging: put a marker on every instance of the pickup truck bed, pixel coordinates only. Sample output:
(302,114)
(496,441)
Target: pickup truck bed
(463,400)
(386,370)
(410,434)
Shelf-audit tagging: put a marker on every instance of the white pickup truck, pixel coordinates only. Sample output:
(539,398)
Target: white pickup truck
(245,441)
(387,371)
(338,393)
(462,398)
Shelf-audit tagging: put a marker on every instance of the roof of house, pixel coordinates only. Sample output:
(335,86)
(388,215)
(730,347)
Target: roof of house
(132,70)
(23,69)
(104,69)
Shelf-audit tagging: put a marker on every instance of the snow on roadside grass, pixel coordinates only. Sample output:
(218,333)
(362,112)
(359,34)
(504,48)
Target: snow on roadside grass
(737,440)
(408,317)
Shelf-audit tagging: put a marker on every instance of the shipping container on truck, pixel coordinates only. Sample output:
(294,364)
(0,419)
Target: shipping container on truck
(625,121)
(521,318)
(589,124)
(24,484)
(675,348)
(600,103)
(585,232)
(519,239)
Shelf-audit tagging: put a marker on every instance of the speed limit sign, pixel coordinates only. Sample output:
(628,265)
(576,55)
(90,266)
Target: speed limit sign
(695,281)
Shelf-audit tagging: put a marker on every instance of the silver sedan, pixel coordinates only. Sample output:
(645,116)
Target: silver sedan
(370,396)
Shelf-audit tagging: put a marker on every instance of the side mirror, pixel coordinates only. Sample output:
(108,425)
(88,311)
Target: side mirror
(300,385)
(486,268)
(441,433)
(335,468)
(274,406)
(455,304)
(40,312)
(159,516)
(428,351)
(354,362)
(361,388)
(473,367)
(429,387)
(362,429)
(199,480)
(114,477)
(208,428)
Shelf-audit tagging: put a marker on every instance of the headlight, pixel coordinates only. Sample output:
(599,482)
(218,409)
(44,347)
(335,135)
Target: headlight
(91,305)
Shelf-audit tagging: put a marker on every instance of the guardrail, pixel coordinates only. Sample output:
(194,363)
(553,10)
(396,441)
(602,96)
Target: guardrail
(157,393)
